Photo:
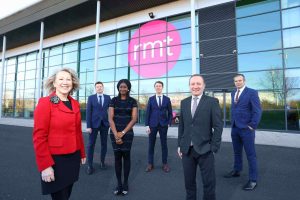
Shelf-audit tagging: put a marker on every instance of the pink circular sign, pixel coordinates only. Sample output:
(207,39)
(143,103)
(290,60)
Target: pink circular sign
(151,46)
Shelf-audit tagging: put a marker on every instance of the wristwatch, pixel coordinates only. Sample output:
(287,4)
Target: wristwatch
(123,132)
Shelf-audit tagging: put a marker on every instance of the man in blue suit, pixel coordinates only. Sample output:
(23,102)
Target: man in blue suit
(97,121)
(245,117)
(158,119)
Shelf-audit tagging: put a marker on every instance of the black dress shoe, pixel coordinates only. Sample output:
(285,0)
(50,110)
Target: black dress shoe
(125,189)
(89,170)
(118,190)
(102,165)
(250,185)
(232,174)
(149,168)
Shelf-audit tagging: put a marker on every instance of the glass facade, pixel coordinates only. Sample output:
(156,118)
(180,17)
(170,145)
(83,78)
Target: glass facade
(268,53)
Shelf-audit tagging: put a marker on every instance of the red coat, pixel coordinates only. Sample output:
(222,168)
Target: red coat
(57,130)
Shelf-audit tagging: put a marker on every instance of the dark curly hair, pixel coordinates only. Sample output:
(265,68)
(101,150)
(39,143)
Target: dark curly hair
(128,84)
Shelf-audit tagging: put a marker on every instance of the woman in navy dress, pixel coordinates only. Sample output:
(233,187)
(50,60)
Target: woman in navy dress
(122,117)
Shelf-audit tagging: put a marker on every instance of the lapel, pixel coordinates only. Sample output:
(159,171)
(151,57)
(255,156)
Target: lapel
(61,106)
(244,93)
(155,101)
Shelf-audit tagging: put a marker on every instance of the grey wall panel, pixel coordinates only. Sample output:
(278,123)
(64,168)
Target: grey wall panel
(217,29)
(218,64)
(217,47)
(217,13)
(219,81)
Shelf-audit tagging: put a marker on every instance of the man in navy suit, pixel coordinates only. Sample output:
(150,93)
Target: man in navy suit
(97,121)
(158,119)
(245,116)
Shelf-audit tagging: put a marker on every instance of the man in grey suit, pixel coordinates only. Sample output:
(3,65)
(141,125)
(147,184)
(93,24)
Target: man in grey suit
(199,137)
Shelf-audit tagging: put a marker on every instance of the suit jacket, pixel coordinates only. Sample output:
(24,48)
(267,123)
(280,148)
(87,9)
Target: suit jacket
(57,130)
(156,115)
(95,114)
(247,111)
(204,129)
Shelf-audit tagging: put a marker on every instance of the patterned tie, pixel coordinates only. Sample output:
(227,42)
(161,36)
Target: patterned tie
(194,106)
(159,101)
(237,96)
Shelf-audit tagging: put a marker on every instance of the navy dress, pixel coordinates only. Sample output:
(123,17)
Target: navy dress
(122,117)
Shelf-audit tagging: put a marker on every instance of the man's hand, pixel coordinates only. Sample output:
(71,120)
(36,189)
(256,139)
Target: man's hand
(48,174)
(89,130)
(179,153)
(148,131)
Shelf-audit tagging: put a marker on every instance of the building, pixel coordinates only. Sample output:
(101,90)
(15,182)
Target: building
(146,41)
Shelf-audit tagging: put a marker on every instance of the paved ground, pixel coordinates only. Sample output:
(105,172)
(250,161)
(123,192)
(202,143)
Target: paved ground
(286,139)
(279,172)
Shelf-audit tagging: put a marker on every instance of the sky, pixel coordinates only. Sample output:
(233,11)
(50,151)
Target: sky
(9,7)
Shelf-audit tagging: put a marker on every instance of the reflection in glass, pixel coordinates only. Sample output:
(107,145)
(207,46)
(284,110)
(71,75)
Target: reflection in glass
(182,21)
(292,58)
(258,23)
(106,62)
(122,47)
(106,38)
(134,87)
(87,65)
(109,88)
(88,44)
(289,3)
(107,50)
(271,100)
(54,60)
(291,17)
(265,80)
(30,74)
(292,77)
(123,34)
(178,84)
(259,42)
(122,60)
(31,56)
(291,37)
(246,8)
(272,119)
(147,85)
(53,51)
(185,36)
(181,68)
(260,61)
(122,73)
(106,75)
(70,47)
(70,57)
(185,52)
(87,54)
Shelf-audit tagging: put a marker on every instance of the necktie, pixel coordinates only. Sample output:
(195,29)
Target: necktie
(100,100)
(237,96)
(159,101)
(194,107)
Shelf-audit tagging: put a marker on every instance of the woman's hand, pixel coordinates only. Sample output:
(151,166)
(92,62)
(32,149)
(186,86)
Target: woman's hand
(83,161)
(48,174)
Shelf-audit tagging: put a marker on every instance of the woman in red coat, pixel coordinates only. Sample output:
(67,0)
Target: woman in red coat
(57,135)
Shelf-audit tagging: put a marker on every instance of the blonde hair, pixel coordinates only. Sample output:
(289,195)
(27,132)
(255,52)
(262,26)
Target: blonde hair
(50,80)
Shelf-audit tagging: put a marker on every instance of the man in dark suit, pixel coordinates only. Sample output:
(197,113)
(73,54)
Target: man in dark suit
(158,119)
(97,121)
(199,137)
(245,116)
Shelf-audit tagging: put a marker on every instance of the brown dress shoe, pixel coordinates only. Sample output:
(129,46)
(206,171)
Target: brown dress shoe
(166,168)
(149,168)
